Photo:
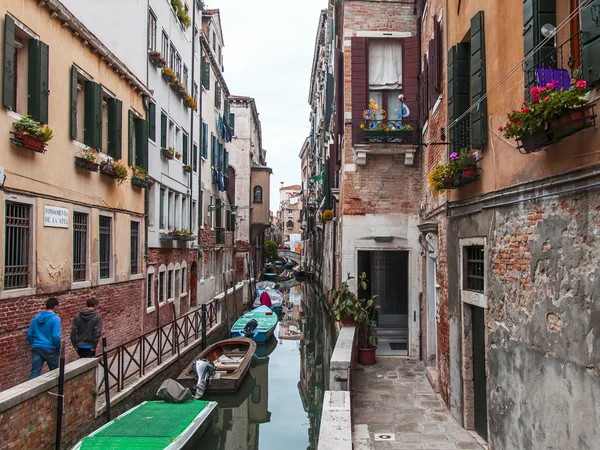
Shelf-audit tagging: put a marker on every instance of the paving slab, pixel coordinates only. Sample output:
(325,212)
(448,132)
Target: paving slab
(394,398)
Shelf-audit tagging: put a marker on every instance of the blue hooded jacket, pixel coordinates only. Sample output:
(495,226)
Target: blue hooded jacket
(44,331)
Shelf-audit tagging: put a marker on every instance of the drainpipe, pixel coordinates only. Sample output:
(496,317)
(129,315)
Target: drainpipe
(191,140)
(200,210)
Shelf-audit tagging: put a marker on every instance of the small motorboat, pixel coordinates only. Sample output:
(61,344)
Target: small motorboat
(154,424)
(259,323)
(300,272)
(231,359)
(262,285)
(276,300)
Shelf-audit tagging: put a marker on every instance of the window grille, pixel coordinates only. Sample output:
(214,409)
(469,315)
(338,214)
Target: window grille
(80,230)
(16,245)
(105,247)
(135,245)
(474,267)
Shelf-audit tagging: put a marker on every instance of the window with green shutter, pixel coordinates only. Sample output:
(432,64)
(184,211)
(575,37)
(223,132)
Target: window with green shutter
(130,138)
(73,104)
(38,89)
(205,74)
(590,41)
(232,123)
(459,94)
(213,149)
(141,143)
(220,156)
(217,95)
(479,123)
(9,79)
(163,130)
(115,127)
(152,121)
(195,157)
(92,136)
(225,162)
(185,148)
(204,140)
(537,13)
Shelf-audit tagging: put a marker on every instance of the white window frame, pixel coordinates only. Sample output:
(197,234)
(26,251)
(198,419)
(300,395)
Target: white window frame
(140,274)
(152,294)
(183,291)
(111,278)
(471,297)
(162,269)
(31,289)
(88,266)
(170,269)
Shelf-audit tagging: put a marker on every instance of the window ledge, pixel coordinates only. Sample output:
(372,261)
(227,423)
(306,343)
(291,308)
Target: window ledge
(150,310)
(170,300)
(105,281)
(136,276)
(162,304)
(81,284)
(12,293)
(13,114)
(183,295)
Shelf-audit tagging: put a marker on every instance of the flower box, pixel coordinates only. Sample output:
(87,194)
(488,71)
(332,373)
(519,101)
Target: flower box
(387,136)
(166,154)
(175,237)
(187,169)
(534,142)
(157,59)
(468,176)
(139,182)
(573,121)
(108,169)
(83,163)
(28,141)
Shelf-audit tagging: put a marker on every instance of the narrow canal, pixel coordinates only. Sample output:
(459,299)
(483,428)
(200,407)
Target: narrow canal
(279,403)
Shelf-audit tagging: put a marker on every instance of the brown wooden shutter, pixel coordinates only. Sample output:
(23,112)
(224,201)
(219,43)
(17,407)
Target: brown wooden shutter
(360,77)
(410,75)
(432,73)
(439,51)
(423,94)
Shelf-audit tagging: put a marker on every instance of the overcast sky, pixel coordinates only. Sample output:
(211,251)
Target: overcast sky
(268,55)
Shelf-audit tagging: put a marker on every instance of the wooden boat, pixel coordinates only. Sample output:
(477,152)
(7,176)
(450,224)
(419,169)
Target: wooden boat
(156,425)
(231,357)
(267,321)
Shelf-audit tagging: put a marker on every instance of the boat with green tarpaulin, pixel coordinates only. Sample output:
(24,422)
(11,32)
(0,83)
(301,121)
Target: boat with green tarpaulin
(154,425)
(267,321)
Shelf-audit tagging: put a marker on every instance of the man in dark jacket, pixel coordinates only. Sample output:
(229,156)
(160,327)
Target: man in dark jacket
(87,330)
(44,337)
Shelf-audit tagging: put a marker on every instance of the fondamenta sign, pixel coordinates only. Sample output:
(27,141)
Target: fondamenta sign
(56,216)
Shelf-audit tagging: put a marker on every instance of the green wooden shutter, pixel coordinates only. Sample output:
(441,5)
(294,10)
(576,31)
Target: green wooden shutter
(213,149)
(226,162)
(219,162)
(130,135)
(537,13)
(590,40)
(141,143)
(204,140)
(458,94)
(74,93)
(92,135)
(115,128)
(328,99)
(217,96)
(479,123)
(9,80)
(163,131)
(37,81)
(195,157)
(232,123)
(326,185)
(205,74)
(152,121)
(185,148)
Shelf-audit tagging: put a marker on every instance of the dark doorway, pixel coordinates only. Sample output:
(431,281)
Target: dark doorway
(479,375)
(193,284)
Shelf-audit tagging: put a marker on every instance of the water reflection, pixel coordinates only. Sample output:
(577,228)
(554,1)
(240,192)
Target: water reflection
(279,404)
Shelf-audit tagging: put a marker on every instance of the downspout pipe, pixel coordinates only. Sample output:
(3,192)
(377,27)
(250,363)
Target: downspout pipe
(191,140)
(200,211)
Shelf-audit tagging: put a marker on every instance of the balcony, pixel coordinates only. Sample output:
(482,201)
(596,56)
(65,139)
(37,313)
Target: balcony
(386,131)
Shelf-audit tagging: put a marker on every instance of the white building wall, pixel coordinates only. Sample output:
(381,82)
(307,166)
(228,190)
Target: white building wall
(358,233)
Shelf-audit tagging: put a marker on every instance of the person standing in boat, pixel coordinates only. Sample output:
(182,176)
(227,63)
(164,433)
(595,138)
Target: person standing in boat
(265,299)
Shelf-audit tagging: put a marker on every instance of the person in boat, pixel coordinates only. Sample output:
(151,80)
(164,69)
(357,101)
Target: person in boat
(265,299)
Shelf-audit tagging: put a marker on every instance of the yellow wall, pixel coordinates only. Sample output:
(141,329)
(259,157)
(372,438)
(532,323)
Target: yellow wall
(260,211)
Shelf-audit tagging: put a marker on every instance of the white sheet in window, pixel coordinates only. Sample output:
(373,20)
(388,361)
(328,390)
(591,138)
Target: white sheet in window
(385,64)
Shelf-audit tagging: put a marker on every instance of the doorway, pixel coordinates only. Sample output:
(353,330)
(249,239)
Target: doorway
(479,374)
(431,313)
(388,276)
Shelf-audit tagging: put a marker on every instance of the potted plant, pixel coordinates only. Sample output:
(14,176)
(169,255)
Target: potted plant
(168,75)
(87,160)
(367,335)
(326,216)
(157,59)
(181,13)
(114,170)
(190,102)
(188,168)
(551,115)
(177,235)
(167,152)
(177,154)
(460,170)
(31,134)
(139,177)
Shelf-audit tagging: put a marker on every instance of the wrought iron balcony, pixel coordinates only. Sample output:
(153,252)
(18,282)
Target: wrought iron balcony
(402,131)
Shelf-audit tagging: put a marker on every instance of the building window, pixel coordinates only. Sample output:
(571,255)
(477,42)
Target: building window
(170,291)
(161,286)
(105,246)
(17,245)
(290,224)
(201,210)
(163,130)
(177,68)
(474,268)
(258,194)
(184,208)
(152,121)
(161,209)
(194,212)
(177,284)
(151,31)
(232,123)
(205,73)
(385,75)
(172,53)
(135,247)
(204,140)
(217,95)
(195,91)
(80,239)
(183,280)
(150,288)
(185,76)
(165,45)
(170,208)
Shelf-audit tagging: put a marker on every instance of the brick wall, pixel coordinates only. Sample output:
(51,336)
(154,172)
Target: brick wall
(119,304)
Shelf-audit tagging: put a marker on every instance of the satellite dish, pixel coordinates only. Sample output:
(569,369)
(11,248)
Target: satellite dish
(548,30)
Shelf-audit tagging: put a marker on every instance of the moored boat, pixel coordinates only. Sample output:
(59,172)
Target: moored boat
(156,425)
(266,321)
(231,358)
(276,299)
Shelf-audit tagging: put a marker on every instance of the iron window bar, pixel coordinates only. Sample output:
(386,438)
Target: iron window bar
(16,246)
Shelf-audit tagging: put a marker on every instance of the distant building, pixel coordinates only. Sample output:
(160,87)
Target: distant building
(290,202)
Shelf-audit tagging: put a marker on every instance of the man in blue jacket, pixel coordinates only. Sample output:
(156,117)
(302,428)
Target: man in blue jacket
(44,337)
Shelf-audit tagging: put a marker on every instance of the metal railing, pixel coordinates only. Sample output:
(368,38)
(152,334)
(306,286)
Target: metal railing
(405,131)
(134,358)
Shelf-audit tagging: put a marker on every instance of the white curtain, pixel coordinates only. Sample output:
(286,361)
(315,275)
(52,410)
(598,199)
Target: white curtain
(385,64)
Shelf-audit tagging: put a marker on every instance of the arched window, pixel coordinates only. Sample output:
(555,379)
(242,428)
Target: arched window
(290,224)
(257,194)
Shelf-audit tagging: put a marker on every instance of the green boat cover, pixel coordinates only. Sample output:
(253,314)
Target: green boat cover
(153,425)
(265,322)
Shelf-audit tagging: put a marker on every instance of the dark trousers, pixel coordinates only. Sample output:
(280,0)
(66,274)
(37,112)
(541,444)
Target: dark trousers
(38,357)
(86,352)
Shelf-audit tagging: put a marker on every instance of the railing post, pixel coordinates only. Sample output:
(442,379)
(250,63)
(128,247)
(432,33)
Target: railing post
(106,388)
(159,332)
(143,354)
(203,324)
(60,397)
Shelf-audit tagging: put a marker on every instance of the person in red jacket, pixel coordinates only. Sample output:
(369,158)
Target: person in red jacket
(265,299)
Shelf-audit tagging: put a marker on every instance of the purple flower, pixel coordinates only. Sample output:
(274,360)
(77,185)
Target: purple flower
(453,156)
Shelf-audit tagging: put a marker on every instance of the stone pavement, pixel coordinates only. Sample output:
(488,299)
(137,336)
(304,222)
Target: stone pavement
(393,398)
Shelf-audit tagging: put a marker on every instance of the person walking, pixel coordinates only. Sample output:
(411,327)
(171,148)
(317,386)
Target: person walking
(87,330)
(44,337)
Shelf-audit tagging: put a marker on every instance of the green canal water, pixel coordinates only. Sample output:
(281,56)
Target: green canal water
(279,404)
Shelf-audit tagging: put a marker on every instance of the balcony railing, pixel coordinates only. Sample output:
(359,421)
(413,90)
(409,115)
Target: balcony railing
(404,131)
(220,236)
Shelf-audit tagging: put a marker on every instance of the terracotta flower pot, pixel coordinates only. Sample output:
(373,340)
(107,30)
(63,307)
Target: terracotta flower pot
(469,172)
(366,356)
(573,120)
(30,142)
(347,321)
